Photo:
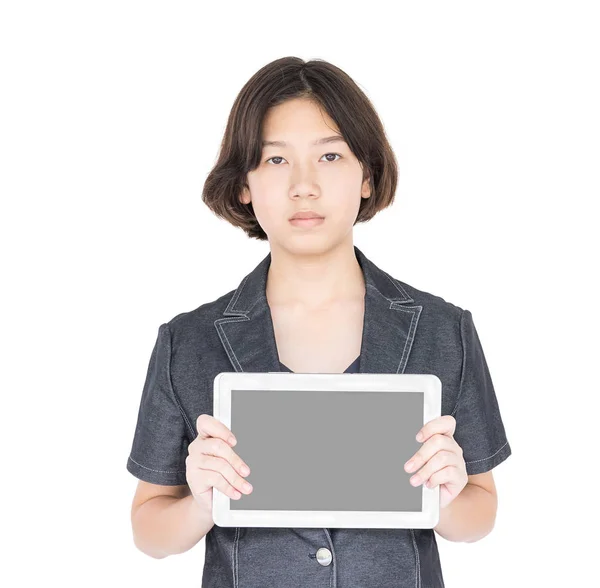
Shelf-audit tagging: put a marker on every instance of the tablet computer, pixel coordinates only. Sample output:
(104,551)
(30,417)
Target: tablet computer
(327,450)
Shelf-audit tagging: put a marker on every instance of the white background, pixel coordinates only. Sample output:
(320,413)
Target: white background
(111,116)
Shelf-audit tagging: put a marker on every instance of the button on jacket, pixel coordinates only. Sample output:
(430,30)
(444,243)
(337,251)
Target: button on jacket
(405,330)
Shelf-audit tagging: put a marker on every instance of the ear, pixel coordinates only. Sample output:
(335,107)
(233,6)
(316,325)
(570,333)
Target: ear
(366,188)
(244,196)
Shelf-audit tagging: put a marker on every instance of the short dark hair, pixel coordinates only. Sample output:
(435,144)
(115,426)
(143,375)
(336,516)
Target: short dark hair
(332,90)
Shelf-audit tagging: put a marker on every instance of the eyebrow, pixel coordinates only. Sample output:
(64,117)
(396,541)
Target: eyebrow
(322,141)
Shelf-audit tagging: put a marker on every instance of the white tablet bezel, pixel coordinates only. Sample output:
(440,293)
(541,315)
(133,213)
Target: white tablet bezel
(429,384)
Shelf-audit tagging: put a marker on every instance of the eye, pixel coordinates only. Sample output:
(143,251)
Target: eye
(274,157)
(330,160)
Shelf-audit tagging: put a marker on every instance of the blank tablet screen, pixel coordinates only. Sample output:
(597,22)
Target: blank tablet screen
(311,450)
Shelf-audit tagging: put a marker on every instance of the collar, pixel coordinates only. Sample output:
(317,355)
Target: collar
(389,325)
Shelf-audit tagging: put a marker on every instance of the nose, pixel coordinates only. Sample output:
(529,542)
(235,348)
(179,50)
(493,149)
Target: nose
(303,181)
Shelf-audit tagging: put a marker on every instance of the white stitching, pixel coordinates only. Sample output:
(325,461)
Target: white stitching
(234,558)
(333,576)
(158,471)
(236,296)
(417,560)
(490,457)
(172,389)
(416,314)
(225,341)
(462,365)
(407,298)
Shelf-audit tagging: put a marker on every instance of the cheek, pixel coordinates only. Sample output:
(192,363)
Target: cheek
(264,190)
(267,188)
(270,209)
(345,196)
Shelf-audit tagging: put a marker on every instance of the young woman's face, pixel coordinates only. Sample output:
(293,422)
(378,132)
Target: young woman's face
(301,176)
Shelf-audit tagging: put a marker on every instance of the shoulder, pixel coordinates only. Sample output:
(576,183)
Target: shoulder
(435,309)
(196,355)
(192,326)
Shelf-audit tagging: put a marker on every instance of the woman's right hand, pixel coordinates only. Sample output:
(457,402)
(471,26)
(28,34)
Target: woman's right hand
(212,463)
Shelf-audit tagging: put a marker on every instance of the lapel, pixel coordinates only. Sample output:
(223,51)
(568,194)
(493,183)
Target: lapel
(246,328)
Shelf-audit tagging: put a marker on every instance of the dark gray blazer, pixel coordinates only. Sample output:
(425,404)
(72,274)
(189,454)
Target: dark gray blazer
(405,331)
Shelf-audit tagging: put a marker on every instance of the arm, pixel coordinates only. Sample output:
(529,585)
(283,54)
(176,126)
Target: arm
(472,514)
(167,520)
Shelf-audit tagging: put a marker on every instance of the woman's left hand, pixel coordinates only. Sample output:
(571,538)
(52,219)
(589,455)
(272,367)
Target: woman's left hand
(440,459)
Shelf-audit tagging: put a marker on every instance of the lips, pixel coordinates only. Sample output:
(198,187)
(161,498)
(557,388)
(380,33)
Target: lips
(307,222)
(305,215)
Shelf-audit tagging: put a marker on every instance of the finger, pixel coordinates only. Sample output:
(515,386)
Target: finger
(209,426)
(428,450)
(218,448)
(440,460)
(445,425)
(442,476)
(224,468)
(200,479)
(215,480)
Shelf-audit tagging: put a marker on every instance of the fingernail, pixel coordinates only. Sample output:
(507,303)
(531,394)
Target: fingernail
(232,440)
(245,470)
(409,464)
(419,436)
(415,481)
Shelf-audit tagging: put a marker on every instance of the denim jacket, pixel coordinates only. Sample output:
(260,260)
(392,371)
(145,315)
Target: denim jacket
(405,330)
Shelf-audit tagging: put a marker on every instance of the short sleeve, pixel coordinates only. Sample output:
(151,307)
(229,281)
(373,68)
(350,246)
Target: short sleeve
(479,427)
(159,447)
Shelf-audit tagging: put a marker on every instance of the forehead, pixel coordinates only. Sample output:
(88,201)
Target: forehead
(320,141)
(296,122)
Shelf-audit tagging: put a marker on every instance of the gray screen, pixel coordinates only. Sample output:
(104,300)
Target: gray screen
(311,450)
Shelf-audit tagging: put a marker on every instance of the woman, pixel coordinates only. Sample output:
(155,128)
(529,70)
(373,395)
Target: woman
(304,141)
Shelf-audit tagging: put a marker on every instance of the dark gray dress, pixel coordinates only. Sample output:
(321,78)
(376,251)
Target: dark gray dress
(352,368)
(405,330)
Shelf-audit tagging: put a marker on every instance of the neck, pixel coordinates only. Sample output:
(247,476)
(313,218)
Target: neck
(314,281)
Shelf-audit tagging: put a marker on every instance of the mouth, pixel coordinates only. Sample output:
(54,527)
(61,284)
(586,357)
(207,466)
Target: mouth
(307,222)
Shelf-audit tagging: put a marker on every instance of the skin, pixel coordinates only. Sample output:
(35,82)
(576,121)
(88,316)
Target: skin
(313,271)
(439,461)
(468,504)
(310,268)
